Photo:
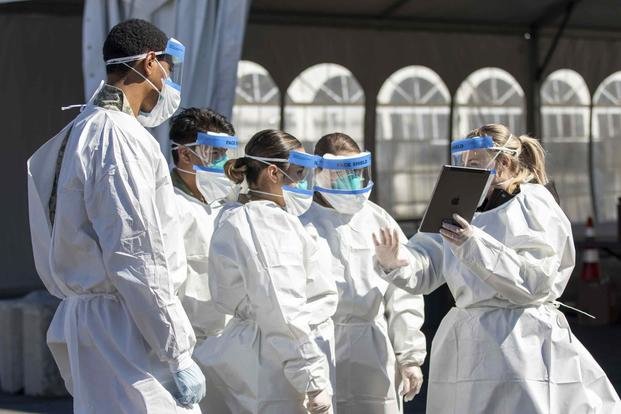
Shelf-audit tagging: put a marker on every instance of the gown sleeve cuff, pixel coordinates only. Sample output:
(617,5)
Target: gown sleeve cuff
(389,275)
(182,362)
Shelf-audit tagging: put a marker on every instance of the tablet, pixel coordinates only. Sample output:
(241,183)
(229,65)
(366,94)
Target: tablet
(458,190)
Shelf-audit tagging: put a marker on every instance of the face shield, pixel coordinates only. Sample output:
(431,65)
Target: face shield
(297,188)
(477,152)
(350,174)
(215,149)
(173,54)
(301,172)
(299,176)
(473,152)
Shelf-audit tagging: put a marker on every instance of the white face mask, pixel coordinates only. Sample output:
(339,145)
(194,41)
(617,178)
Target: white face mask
(213,186)
(347,203)
(297,203)
(167,103)
(238,189)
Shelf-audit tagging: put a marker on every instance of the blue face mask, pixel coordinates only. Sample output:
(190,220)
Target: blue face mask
(219,163)
(348,182)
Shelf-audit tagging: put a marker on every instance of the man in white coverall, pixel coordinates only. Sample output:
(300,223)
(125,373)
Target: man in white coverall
(201,188)
(106,238)
(199,204)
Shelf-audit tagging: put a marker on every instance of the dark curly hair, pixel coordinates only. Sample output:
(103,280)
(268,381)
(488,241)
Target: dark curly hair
(186,124)
(129,38)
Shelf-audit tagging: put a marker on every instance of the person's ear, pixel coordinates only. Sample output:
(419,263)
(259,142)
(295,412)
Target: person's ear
(185,155)
(149,64)
(506,168)
(272,174)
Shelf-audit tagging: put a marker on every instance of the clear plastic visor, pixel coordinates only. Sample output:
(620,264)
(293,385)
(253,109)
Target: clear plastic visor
(344,174)
(215,149)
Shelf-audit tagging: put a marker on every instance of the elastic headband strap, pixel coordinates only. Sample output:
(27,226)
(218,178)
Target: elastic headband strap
(130,58)
(173,48)
(266,160)
(294,158)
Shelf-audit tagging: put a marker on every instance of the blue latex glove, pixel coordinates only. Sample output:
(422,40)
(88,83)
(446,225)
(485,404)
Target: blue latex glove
(190,383)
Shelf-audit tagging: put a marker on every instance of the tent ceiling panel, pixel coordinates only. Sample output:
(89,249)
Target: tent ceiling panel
(517,14)
(340,7)
(587,14)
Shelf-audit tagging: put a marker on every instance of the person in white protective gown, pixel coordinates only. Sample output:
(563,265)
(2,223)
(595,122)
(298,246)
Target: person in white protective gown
(106,239)
(202,141)
(264,270)
(377,326)
(504,347)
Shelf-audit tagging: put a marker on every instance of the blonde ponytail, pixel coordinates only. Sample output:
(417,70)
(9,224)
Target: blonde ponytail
(532,158)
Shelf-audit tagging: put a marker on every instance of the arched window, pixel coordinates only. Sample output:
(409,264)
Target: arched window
(488,95)
(413,108)
(607,147)
(565,103)
(324,98)
(257,101)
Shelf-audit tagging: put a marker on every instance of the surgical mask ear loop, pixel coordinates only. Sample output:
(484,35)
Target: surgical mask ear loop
(269,163)
(498,152)
(176,147)
(491,165)
(145,78)
(265,193)
(185,171)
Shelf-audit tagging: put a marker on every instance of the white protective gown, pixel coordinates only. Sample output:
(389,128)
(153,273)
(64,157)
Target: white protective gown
(263,270)
(197,228)
(505,348)
(198,222)
(115,257)
(377,326)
